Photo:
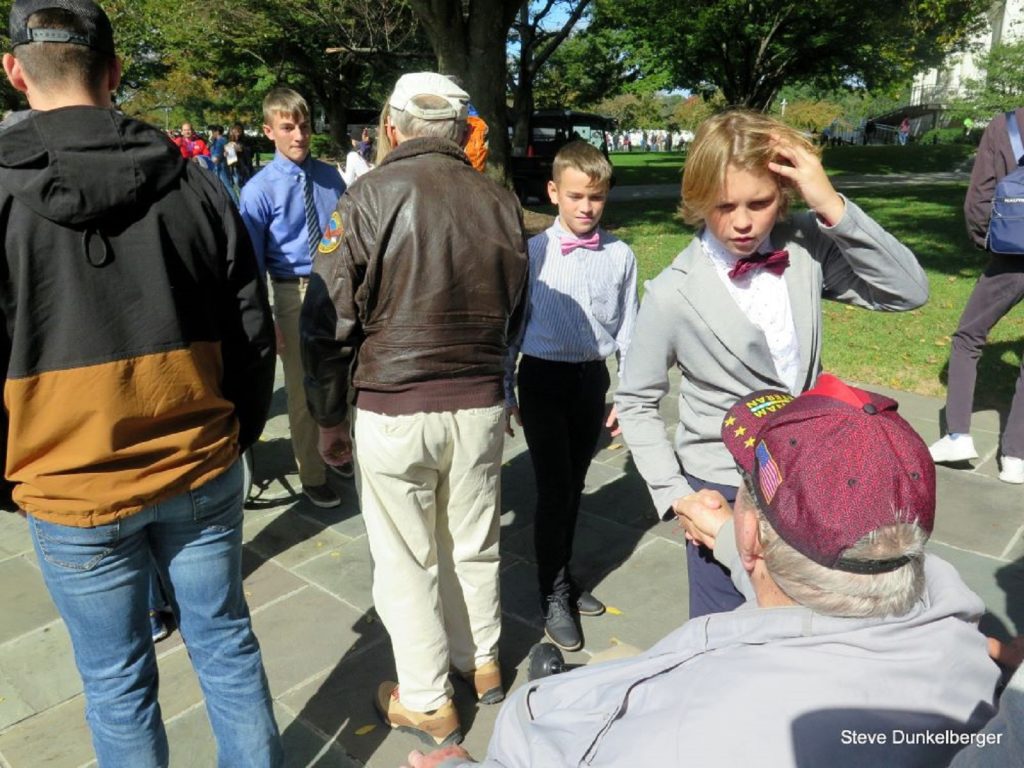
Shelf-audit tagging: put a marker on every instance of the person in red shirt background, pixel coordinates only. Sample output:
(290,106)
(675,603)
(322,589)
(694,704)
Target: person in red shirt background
(190,143)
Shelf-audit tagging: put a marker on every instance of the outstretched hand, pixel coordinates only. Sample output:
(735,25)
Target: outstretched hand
(702,515)
(805,171)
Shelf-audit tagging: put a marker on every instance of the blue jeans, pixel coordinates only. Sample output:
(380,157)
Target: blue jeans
(99,580)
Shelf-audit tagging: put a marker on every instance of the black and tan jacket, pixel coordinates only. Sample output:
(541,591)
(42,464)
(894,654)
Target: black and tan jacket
(136,335)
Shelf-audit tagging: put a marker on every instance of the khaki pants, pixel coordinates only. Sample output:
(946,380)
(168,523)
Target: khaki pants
(305,434)
(429,485)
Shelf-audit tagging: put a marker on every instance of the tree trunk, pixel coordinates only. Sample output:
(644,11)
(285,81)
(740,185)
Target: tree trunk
(522,101)
(471,46)
(337,118)
(522,109)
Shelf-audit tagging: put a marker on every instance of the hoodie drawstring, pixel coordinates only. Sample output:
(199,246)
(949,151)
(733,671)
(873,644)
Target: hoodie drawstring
(99,260)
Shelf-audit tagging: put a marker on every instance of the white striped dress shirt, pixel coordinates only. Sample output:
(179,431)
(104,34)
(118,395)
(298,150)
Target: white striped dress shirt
(582,304)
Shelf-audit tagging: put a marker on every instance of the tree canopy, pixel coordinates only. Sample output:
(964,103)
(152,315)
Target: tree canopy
(749,49)
(1002,86)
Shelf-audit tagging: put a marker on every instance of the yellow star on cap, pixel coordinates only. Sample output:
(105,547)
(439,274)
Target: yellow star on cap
(739,431)
(749,443)
(730,421)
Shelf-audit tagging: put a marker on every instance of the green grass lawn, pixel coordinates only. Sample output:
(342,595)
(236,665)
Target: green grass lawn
(913,158)
(648,167)
(667,167)
(907,351)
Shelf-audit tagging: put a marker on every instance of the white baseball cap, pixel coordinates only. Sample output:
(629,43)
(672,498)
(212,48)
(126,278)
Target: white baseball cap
(432,84)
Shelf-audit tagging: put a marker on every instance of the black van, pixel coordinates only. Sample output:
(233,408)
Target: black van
(550,129)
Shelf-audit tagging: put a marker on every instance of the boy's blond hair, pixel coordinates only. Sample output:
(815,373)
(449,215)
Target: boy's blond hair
(284,101)
(738,138)
(585,158)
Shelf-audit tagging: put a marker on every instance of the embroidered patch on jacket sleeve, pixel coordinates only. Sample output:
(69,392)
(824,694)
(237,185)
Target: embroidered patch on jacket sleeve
(332,234)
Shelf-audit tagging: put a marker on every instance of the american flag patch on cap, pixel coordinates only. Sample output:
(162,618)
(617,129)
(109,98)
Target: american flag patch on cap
(769,476)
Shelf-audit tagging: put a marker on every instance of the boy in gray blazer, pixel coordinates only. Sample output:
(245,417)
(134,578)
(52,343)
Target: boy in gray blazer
(740,310)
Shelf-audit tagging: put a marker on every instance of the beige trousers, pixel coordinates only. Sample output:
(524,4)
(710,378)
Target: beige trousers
(430,485)
(305,434)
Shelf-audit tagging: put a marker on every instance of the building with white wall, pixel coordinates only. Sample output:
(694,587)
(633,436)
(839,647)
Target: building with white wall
(936,86)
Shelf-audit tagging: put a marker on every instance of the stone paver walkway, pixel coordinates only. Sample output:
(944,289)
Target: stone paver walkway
(308,583)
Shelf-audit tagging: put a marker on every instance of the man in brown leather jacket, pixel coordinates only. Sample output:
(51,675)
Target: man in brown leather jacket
(417,289)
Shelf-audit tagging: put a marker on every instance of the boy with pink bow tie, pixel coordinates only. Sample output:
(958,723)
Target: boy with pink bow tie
(582,307)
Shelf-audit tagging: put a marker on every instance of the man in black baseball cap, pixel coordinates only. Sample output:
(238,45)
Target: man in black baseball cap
(92,30)
(127,274)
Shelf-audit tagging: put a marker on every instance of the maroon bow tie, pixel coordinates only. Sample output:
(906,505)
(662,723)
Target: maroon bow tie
(775,262)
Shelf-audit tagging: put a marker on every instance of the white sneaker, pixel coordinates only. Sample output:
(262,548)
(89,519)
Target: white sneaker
(949,449)
(1013,470)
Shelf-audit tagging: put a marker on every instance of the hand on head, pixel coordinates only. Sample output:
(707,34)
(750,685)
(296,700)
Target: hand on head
(805,171)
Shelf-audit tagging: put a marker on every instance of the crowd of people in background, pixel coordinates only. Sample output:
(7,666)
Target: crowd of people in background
(234,158)
(654,140)
(231,157)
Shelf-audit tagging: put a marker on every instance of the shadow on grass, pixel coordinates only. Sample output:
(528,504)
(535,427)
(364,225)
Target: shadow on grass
(896,159)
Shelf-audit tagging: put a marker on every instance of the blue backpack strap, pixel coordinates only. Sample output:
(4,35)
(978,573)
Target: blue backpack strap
(1014,131)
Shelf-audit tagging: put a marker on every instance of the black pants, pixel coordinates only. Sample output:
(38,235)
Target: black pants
(562,407)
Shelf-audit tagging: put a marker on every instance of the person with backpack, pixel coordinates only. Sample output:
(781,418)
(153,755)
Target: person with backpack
(988,210)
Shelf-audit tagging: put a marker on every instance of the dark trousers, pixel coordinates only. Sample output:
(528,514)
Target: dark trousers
(562,407)
(711,588)
(997,291)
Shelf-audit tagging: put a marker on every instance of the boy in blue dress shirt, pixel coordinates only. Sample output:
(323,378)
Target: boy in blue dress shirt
(582,307)
(286,207)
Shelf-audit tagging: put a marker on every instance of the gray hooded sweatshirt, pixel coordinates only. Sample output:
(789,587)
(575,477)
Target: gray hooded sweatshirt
(770,687)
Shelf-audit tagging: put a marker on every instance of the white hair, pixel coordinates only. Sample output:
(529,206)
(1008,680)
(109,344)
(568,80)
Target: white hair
(833,592)
(413,127)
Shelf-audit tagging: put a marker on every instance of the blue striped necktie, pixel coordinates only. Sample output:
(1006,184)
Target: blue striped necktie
(313,232)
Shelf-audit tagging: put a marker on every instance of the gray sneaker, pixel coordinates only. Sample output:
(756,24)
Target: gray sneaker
(560,625)
(322,496)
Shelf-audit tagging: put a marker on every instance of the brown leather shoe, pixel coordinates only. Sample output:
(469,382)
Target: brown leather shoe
(439,728)
(486,680)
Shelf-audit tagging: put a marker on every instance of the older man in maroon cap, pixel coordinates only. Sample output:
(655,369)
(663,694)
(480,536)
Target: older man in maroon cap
(854,647)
